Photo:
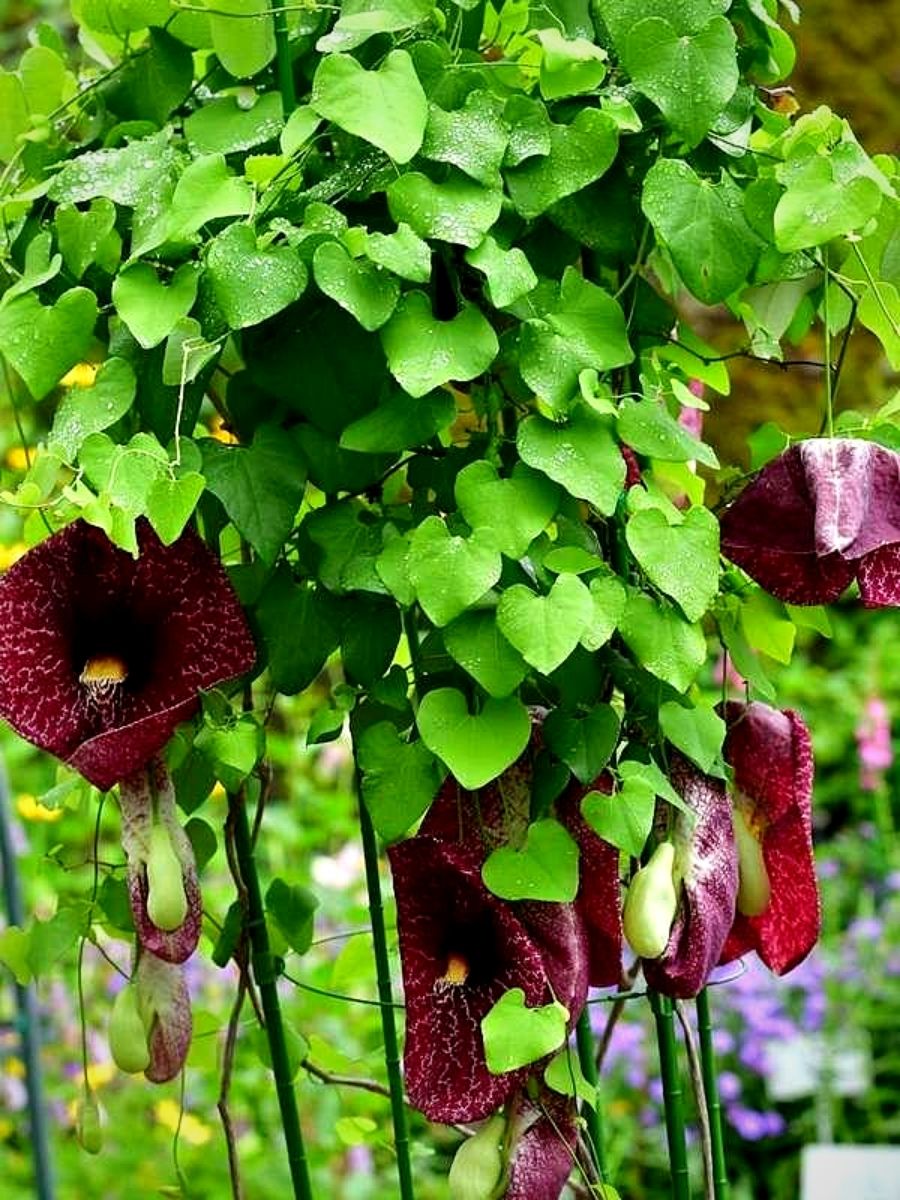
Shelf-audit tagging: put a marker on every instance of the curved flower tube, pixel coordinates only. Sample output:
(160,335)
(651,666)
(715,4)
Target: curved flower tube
(771,754)
(825,512)
(165,1009)
(543,1152)
(102,655)
(706,863)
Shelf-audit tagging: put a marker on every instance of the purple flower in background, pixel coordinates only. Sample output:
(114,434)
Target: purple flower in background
(873,742)
(753,1126)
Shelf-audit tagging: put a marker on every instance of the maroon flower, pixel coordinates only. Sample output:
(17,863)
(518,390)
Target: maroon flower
(825,512)
(543,1154)
(102,655)
(778,901)
(706,864)
(165,1009)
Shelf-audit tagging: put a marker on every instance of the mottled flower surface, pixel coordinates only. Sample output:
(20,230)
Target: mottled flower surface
(102,655)
(706,861)
(771,754)
(825,512)
(543,1149)
(165,1009)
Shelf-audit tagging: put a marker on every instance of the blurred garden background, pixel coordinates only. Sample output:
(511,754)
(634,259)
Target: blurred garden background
(813,1057)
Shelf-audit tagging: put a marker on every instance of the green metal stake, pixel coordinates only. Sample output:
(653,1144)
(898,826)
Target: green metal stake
(713,1103)
(29,1016)
(284,65)
(266,980)
(386,998)
(673,1095)
(584,1037)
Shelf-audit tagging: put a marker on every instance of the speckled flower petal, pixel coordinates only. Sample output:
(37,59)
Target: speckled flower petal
(543,1155)
(771,754)
(855,489)
(879,577)
(171,617)
(460,948)
(165,1009)
(706,858)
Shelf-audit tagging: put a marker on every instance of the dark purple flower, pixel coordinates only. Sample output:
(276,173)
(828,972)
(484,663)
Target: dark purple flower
(825,512)
(771,754)
(165,1009)
(543,1150)
(102,655)
(706,864)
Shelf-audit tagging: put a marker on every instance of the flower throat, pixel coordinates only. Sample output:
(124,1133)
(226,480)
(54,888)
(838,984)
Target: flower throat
(102,676)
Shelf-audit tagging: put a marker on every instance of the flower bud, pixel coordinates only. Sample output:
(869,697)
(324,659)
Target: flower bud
(651,904)
(166,900)
(127,1036)
(88,1130)
(478,1166)
(754,891)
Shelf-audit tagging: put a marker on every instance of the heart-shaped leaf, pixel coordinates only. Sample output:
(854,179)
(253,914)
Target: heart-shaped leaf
(454,210)
(474,641)
(698,732)
(625,818)
(515,1035)
(476,747)
(170,503)
(582,455)
(450,573)
(365,290)
(386,107)
(546,867)
(545,629)
(423,353)
(682,560)
(585,744)
(472,138)
(608,597)
(251,283)
(662,641)
(399,779)
(150,308)
(83,411)
(650,429)
(43,343)
(517,508)
(579,153)
(88,237)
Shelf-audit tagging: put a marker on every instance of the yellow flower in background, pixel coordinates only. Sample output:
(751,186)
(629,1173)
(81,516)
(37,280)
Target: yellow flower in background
(30,809)
(218,431)
(11,554)
(14,1067)
(194,1131)
(218,792)
(18,457)
(99,1074)
(81,375)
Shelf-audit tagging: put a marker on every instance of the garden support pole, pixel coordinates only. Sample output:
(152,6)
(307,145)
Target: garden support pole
(713,1103)
(283,62)
(673,1095)
(584,1037)
(29,1016)
(266,981)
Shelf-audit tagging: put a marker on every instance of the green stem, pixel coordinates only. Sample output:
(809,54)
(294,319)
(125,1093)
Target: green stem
(829,397)
(673,1095)
(284,65)
(584,1037)
(266,979)
(713,1103)
(386,999)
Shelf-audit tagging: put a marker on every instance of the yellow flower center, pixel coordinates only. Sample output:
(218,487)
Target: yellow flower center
(457,971)
(102,675)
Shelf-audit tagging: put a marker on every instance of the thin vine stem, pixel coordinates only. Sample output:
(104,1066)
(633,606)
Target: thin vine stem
(584,1039)
(266,979)
(673,1095)
(829,397)
(713,1102)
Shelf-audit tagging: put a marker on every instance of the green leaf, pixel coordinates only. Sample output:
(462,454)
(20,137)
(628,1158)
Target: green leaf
(767,625)
(698,732)
(545,629)
(662,641)
(171,502)
(283,608)
(125,473)
(299,128)
(515,1035)
(591,322)
(42,344)
(681,560)
(509,274)
(648,427)
(399,423)
(564,1075)
(584,744)
(150,308)
(226,127)
(207,191)
(529,130)
(608,597)
(474,641)
(571,560)
(579,154)
(15,942)
(293,910)
(83,411)
(365,290)
(476,747)
(423,352)
(582,455)
(88,237)
(625,818)
(545,868)
(361,20)
(156,82)
(260,485)
(454,210)
(472,138)
(350,544)
(243,44)
(517,509)
(650,774)
(386,107)
(252,283)
(703,227)
(50,940)
(119,17)
(451,573)
(13,114)
(233,749)
(402,252)
(879,311)
(826,197)
(569,66)
(399,779)
(125,175)
(187,353)
(369,640)
(688,16)
(690,77)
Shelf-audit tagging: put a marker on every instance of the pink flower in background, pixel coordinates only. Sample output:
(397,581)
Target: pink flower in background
(873,742)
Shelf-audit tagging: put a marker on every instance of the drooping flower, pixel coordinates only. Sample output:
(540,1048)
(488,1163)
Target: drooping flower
(707,870)
(165,1009)
(778,912)
(102,655)
(825,512)
(542,1154)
